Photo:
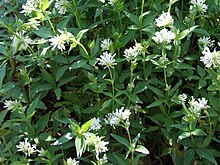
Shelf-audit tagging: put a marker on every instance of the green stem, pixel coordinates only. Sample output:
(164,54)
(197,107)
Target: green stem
(51,25)
(129,138)
(84,49)
(76,13)
(3,138)
(113,89)
(141,19)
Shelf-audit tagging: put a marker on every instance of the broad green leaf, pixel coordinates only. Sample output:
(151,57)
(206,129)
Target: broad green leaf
(121,140)
(183,66)
(184,33)
(142,149)
(156,103)
(61,71)
(32,106)
(80,34)
(157,91)
(85,127)
(136,159)
(184,135)
(42,122)
(2,73)
(2,115)
(205,153)
(198,132)
(58,93)
(120,159)
(65,138)
(132,18)
(45,4)
(188,156)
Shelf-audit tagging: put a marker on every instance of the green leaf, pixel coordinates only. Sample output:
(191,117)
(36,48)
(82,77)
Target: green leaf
(2,115)
(183,66)
(58,93)
(42,122)
(205,153)
(45,4)
(132,18)
(184,33)
(80,64)
(80,146)
(184,135)
(32,106)
(120,159)
(198,132)
(85,127)
(121,140)
(2,73)
(156,103)
(44,33)
(60,72)
(80,34)
(65,138)
(157,91)
(188,156)
(142,149)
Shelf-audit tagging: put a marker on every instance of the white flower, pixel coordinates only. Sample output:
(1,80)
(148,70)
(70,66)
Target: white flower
(197,105)
(20,41)
(107,60)
(103,160)
(112,120)
(164,36)
(59,41)
(103,1)
(42,152)
(33,23)
(71,161)
(112,2)
(198,5)
(95,124)
(210,58)
(26,147)
(61,6)
(30,6)
(183,97)
(13,105)
(133,52)
(130,53)
(165,19)
(202,103)
(97,142)
(205,42)
(106,44)
(120,115)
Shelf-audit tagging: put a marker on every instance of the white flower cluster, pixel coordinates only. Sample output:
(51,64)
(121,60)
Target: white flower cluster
(14,105)
(71,161)
(115,118)
(106,44)
(210,59)
(20,41)
(164,36)
(59,41)
(95,141)
(107,60)
(61,6)
(95,125)
(26,147)
(30,6)
(195,106)
(205,42)
(132,52)
(165,19)
(198,5)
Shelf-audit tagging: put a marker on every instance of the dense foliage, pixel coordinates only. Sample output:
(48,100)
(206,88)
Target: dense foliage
(109,82)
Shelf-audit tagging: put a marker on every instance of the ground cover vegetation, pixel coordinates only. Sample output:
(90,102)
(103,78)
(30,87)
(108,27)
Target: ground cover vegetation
(110,82)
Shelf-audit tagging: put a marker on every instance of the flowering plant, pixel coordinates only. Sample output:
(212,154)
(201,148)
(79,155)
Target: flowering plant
(109,82)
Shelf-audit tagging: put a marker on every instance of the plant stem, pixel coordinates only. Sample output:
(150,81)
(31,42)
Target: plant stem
(84,49)
(141,19)
(76,13)
(51,25)
(113,89)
